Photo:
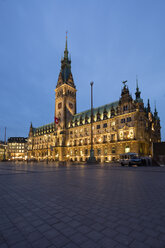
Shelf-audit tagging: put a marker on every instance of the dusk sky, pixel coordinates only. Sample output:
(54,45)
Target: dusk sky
(109,41)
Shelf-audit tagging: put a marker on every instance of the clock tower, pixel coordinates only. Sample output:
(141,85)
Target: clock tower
(65,93)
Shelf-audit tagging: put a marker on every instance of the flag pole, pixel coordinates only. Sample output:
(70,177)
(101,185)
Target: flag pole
(92,158)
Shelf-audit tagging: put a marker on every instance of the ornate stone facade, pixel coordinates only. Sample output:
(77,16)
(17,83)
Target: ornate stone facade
(122,126)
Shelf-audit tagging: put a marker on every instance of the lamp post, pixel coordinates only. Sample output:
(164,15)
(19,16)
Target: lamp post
(47,147)
(4,156)
(91,117)
(92,158)
(47,151)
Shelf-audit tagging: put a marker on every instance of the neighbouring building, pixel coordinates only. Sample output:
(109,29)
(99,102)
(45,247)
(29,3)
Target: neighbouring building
(159,153)
(125,125)
(3,155)
(17,148)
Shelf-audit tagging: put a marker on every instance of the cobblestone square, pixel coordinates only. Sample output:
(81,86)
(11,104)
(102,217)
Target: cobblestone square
(80,206)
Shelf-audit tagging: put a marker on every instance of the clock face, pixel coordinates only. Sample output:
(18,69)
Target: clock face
(60,105)
(71,105)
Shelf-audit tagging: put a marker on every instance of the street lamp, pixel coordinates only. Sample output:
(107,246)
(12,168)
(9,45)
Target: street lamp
(92,158)
(47,147)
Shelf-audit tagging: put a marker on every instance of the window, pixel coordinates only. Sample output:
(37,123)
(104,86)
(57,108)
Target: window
(125,108)
(104,125)
(122,120)
(75,122)
(60,105)
(86,152)
(112,137)
(98,152)
(129,119)
(105,151)
(71,105)
(98,126)
(127,149)
(104,138)
(113,149)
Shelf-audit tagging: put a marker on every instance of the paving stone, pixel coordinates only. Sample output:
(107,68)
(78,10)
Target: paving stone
(98,227)
(71,245)
(138,236)
(138,244)
(37,223)
(123,229)
(14,238)
(22,244)
(59,226)
(41,243)
(51,234)
(60,241)
(34,236)
(123,239)
(50,206)
(84,229)
(78,238)
(154,243)
(43,228)
(109,232)
(4,245)
(74,224)
(68,231)
(90,244)
(107,242)
(95,236)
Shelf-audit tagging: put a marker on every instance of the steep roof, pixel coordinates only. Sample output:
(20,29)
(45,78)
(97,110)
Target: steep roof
(48,127)
(100,109)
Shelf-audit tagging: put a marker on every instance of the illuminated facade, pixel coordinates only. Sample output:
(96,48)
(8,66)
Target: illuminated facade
(118,127)
(3,154)
(17,148)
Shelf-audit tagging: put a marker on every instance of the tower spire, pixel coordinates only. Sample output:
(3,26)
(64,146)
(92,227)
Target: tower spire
(137,87)
(155,112)
(65,75)
(66,47)
(137,93)
(148,106)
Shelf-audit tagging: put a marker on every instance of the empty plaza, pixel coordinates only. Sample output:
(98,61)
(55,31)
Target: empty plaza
(81,206)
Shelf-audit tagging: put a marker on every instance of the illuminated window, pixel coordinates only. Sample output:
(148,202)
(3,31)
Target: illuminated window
(113,123)
(121,134)
(127,149)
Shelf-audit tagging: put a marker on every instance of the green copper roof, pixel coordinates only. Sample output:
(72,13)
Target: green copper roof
(46,127)
(100,109)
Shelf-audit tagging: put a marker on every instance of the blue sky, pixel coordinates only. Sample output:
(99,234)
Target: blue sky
(109,41)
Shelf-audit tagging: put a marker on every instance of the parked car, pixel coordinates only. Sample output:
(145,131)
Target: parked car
(129,159)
